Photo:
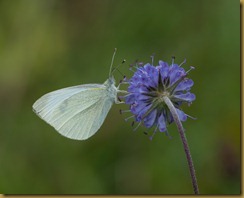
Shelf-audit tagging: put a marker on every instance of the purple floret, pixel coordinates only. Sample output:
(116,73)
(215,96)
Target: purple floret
(149,85)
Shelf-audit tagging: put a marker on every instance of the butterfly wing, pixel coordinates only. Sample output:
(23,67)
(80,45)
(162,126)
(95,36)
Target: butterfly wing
(75,112)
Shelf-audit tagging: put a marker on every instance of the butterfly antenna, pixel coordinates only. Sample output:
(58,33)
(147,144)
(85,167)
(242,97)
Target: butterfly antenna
(112,62)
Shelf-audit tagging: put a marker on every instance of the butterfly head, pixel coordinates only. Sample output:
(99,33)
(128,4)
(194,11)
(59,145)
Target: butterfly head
(110,81)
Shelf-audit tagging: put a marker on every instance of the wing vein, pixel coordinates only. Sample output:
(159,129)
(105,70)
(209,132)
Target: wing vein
(83,110)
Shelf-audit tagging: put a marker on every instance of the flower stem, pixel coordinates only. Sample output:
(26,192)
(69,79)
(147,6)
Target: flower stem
(184,141)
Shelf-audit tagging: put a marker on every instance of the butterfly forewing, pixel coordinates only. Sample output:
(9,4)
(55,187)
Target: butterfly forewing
(75,112)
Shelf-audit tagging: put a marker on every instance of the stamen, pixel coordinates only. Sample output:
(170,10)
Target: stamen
(116,68)
(126,119)
(126,95)
(137,126)
(140,64)
(191,68)
(131,69)
(152,57)
(182,63)
(155,130)
(132,124)
(167,134)
(121,97)
(189,104)
(124,80)
(144,72)
(118,71)
(124,111)
(135,64)
(173,60)
(191,117)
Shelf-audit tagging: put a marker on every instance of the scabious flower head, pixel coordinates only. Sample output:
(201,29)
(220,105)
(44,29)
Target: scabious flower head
(149,85)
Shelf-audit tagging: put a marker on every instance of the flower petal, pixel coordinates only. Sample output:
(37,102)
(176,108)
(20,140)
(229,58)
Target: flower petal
(175,73)
(129,99)
(181,115)
(143,111)
(137,107)
(168,116)
(187,97)
(142,97)
(152,74)
(164,69)
(161,123)
(163,64)
(185,85)
(150,119)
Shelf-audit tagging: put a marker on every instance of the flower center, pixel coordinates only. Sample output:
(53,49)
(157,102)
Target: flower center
(160,94)
(164,93)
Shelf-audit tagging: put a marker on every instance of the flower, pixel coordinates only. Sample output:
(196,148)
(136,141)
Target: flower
(149,85)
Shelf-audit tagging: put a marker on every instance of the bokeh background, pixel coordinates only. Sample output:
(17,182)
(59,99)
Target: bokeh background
(51,44)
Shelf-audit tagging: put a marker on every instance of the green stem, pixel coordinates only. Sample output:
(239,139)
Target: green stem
(184,141)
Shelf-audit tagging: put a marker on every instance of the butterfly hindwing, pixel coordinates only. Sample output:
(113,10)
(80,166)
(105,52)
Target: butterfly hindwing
(75,112)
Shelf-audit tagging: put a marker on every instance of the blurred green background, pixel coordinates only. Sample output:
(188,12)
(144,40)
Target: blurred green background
(50,44)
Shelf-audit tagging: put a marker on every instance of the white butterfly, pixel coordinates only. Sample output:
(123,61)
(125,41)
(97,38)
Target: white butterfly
(78,112)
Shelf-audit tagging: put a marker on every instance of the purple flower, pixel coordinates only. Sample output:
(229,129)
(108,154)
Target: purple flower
(149,85)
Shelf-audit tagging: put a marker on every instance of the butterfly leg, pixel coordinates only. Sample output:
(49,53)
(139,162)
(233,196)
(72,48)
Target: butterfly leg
(122,91)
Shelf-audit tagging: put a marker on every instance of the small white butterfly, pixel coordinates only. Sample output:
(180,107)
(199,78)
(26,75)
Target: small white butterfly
(78,112)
